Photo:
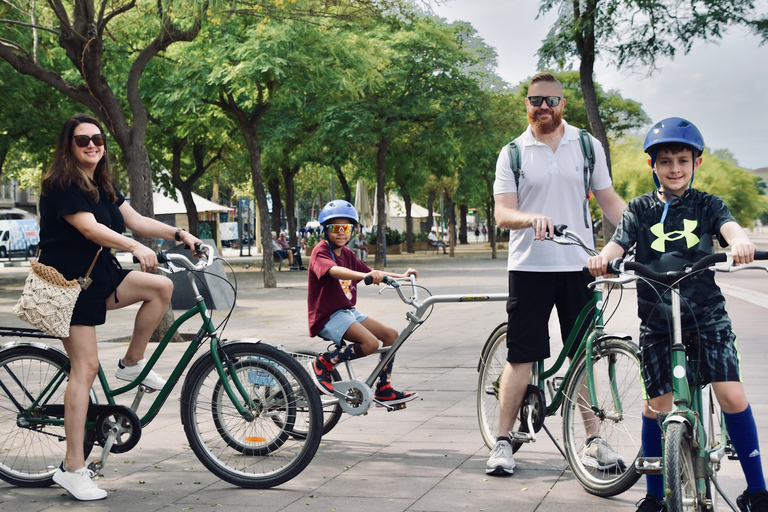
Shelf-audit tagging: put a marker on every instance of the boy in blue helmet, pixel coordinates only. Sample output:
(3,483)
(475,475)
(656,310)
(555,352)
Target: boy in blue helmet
(671,226)
(334,272)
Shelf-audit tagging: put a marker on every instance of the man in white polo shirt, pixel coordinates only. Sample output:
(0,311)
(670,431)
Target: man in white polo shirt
(550,190)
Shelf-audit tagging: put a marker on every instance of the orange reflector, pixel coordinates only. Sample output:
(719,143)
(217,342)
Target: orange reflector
(255,439)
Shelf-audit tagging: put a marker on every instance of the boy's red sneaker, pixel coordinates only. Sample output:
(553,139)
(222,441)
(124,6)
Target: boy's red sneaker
(320,370)
(387,394)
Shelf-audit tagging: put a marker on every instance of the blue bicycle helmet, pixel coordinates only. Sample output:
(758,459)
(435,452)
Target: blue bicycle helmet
(338,208)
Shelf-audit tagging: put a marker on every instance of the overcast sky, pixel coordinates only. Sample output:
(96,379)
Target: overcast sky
(721,88)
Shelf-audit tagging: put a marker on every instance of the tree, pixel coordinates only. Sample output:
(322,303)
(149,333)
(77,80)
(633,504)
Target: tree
(633,34)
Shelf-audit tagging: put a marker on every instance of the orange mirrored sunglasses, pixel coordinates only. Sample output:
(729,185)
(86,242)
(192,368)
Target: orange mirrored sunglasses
(341,228)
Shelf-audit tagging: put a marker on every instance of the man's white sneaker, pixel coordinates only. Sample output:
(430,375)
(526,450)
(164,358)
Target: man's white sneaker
(79,484)
(599,454)
(152,380)
(501,461)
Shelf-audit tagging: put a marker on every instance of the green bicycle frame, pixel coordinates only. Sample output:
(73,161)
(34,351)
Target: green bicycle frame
(224,368)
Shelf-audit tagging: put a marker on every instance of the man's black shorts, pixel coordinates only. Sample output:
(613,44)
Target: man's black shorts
(532,295)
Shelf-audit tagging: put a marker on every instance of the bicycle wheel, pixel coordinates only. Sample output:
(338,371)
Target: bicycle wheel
(31,453)
(492,363)
(331,409)
(266,450)
(605,470)
(679,473)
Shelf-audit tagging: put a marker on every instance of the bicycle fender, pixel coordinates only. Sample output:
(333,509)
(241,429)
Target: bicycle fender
(676,418)
(615,336)
(34,344)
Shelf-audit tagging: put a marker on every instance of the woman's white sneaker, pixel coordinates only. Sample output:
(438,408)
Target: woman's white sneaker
(152,380)
(79,484)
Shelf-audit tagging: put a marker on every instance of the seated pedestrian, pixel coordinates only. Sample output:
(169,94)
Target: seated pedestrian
(359,246)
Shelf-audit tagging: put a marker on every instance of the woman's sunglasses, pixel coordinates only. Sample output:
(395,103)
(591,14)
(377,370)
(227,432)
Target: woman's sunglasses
(340,228)
(82,141)
(552,101)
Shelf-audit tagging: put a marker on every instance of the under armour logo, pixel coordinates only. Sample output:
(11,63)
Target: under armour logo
(661,237)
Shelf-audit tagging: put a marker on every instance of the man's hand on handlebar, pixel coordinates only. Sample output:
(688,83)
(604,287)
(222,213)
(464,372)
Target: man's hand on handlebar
(542,227)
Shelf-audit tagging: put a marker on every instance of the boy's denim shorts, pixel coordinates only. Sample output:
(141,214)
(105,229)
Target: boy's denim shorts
(338,324)
(718,356)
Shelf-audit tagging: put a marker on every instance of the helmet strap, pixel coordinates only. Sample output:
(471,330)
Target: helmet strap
(669,202)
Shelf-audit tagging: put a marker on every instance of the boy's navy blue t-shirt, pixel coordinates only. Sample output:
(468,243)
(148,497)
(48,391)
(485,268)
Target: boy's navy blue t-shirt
(685,237)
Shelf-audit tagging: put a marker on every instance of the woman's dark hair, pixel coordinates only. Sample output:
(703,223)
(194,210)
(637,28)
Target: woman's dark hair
(64,170)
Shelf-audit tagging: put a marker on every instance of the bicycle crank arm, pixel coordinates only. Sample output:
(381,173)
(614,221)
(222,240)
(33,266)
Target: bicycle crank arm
(98,464)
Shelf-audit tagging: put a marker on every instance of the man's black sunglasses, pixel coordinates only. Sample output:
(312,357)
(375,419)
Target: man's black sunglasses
(552,101)
(82,141)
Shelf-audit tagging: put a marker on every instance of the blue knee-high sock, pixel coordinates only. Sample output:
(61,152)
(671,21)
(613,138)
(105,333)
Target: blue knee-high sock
(651,438)
(743,432)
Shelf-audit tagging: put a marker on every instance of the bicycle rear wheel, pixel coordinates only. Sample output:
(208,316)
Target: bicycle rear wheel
(601,470)
(30,452)
(331,408)
(679,472)
(286,428)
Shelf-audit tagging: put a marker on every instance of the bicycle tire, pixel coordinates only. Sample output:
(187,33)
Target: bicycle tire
(30,456)
(492,363)
(622,432)
(331,408)
(679,472)
(247,464)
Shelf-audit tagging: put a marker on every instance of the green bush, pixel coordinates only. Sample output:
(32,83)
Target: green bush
(394,237)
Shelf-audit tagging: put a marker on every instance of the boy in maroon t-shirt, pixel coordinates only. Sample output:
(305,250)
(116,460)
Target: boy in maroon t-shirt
(334,272)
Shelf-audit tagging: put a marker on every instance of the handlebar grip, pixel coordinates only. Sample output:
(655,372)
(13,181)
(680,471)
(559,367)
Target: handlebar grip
(368,280)
(161,257)
(761,255)
(559,229)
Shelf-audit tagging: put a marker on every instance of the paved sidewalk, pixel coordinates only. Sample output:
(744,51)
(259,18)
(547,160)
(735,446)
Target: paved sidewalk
(429,457)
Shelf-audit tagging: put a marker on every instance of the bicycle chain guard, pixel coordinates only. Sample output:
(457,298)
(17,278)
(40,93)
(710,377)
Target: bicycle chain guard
(355,396)
(535,404)
(119,423)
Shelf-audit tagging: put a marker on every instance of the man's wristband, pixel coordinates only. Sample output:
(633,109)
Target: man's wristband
(177,236)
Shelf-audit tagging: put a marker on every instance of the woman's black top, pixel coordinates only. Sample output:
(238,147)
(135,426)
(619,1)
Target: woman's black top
(65,248)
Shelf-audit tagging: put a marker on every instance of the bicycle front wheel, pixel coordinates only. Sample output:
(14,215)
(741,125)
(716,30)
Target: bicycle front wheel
(679,473)
(30,451)
(493,360)
(602,447)
(282,436)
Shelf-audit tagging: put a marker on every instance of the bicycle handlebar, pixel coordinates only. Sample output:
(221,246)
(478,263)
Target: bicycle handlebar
(392,282)
(172,258)
(619,266)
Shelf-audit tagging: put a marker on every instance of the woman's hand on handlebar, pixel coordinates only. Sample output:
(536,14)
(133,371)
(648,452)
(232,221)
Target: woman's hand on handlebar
(192,242)
(411,271)
(145,256)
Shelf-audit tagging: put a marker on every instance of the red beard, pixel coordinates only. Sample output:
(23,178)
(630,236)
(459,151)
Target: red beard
(545,127)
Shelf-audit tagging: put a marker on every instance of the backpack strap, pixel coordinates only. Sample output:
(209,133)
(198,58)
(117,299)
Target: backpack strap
(588,150)
(514,162)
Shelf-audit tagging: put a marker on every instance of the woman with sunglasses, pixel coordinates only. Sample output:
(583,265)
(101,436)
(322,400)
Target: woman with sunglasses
(82,216)
(334,272)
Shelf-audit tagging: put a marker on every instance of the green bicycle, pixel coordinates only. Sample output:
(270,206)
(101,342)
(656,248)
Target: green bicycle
(600,394)
(695,438)
(250,412)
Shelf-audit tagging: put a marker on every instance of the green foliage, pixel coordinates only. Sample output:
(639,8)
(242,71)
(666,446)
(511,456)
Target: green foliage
(394,237)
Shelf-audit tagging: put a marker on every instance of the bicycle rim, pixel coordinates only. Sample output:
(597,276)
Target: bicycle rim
(680,494)
(268,450)
(331,409)
(492,362)
(30,455)
(617,375)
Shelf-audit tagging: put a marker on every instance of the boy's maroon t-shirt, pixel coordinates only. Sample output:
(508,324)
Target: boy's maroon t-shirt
(325,294)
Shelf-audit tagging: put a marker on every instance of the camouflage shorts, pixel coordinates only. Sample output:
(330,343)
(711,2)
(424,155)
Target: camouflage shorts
(719,361)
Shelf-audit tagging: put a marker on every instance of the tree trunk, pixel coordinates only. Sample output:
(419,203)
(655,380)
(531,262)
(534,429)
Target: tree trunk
(491,214)
(381,214)
(431,210)
(463,209)
(290,202)
(408,224)
(451,209)
(586,45)
(343,181)
(277,207)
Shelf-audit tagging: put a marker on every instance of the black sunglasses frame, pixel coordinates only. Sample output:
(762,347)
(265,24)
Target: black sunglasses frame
(552,101)
(99,139)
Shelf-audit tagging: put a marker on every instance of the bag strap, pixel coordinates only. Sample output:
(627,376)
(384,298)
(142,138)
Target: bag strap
(86,281)
(588,151)
(514,162)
